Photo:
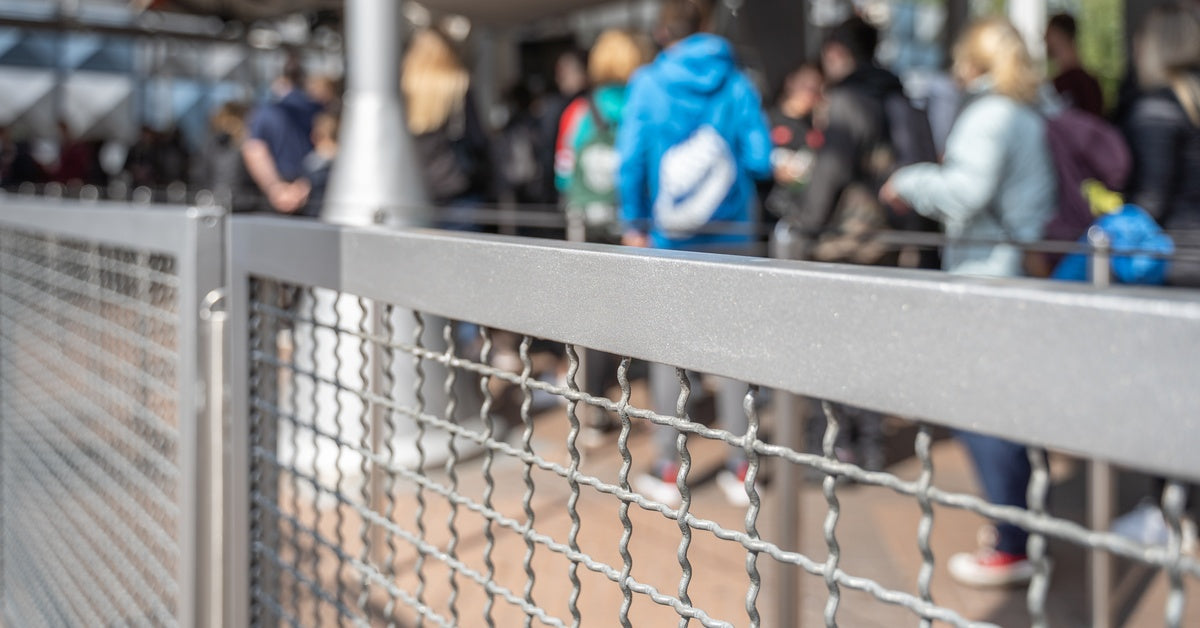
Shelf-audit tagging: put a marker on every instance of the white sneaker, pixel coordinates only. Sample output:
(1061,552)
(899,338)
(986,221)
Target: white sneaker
(990,568)
(1146,525)
(733,488)
(659,485)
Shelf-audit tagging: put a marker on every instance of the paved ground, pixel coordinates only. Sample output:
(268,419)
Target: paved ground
(877,531)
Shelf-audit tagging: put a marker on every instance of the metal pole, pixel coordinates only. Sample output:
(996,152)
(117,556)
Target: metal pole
(790,425)
(212,579)
(1101,481)
(376,179)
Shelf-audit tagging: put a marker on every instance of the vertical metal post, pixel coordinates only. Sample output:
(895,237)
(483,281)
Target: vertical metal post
(789,423)
(377,178)
(1029,16)
(377,552)
(200,272)
(237,550)
(789,481)
(1101,482)
(211,580)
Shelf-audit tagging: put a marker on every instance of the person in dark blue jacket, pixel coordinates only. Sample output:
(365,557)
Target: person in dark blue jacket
(692,143)
(280,137)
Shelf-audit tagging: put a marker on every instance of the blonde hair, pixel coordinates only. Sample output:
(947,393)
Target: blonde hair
(433,82)
(993,47)
(614,57)
(1168,52)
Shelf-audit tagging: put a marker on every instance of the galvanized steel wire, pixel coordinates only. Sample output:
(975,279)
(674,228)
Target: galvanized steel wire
(402,603)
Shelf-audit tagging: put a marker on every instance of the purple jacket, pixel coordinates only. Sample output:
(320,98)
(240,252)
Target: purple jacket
(1083,147)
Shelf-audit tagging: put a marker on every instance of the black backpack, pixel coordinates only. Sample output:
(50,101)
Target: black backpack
(908,131)
(450,168)
(911,141)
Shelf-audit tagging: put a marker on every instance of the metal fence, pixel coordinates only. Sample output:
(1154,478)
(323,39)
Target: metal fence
(362,361)
(383,459)
(102,467)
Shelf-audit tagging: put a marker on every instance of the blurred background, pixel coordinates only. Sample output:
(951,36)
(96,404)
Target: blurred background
(119,74)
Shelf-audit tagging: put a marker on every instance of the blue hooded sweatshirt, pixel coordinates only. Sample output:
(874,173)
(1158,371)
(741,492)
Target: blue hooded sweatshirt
(692,88)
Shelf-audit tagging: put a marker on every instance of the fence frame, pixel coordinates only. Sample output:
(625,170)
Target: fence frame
(644,304)
(930,321)
(195,237)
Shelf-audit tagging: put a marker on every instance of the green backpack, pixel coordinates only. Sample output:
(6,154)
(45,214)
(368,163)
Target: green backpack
(592,190)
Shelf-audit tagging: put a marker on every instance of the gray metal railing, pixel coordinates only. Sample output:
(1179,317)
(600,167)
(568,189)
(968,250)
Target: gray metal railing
(102,464)
(345,350)
(386,455)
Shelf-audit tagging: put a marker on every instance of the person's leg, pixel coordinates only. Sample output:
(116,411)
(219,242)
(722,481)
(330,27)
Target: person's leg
(664,394)
(731,417)
(599,364)
(731,414)
(660,483)
(1003,470)
(868,432)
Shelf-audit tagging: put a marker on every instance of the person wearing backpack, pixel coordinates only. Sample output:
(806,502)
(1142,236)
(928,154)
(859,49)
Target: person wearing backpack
(692,142)
(590,191)
(995,182)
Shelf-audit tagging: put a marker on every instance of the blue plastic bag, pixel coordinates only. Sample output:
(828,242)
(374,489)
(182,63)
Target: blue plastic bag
(1133,231)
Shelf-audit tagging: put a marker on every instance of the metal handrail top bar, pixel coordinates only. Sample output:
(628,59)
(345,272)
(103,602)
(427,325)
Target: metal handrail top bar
(158,228)
(1101,373)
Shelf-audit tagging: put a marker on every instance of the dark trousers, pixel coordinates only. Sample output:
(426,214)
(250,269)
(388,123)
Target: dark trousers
(1003,469)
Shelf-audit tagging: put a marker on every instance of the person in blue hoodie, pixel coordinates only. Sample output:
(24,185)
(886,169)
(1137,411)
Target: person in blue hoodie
(692,142)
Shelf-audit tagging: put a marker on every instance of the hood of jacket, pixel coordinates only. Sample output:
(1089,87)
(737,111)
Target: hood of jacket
(696,67)
(873,81)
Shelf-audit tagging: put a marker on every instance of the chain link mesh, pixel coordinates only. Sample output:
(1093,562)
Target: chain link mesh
(441,519)
(89,433)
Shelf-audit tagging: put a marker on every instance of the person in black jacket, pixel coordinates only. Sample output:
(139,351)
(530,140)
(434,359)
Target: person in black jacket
(1162,125)
(845,174)
(1163,129)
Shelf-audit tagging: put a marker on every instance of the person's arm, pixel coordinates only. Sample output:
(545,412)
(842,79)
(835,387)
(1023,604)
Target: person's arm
(1154,137)
(633,172)
(755,153)
(970,173)
(285,197)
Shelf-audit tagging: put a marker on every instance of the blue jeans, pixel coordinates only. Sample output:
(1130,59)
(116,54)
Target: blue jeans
(1003,469)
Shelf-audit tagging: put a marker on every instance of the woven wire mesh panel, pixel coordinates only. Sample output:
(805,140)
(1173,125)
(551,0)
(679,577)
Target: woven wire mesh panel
(89,460)
(378,497)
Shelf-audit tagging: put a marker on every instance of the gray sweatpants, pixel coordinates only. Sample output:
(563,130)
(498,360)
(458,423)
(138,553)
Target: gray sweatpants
(664,393)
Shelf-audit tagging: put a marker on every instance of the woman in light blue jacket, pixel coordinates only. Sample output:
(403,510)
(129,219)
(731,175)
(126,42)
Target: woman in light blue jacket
(996,183)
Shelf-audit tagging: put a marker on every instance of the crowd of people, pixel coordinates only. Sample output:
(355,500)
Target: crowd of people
(678,151)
